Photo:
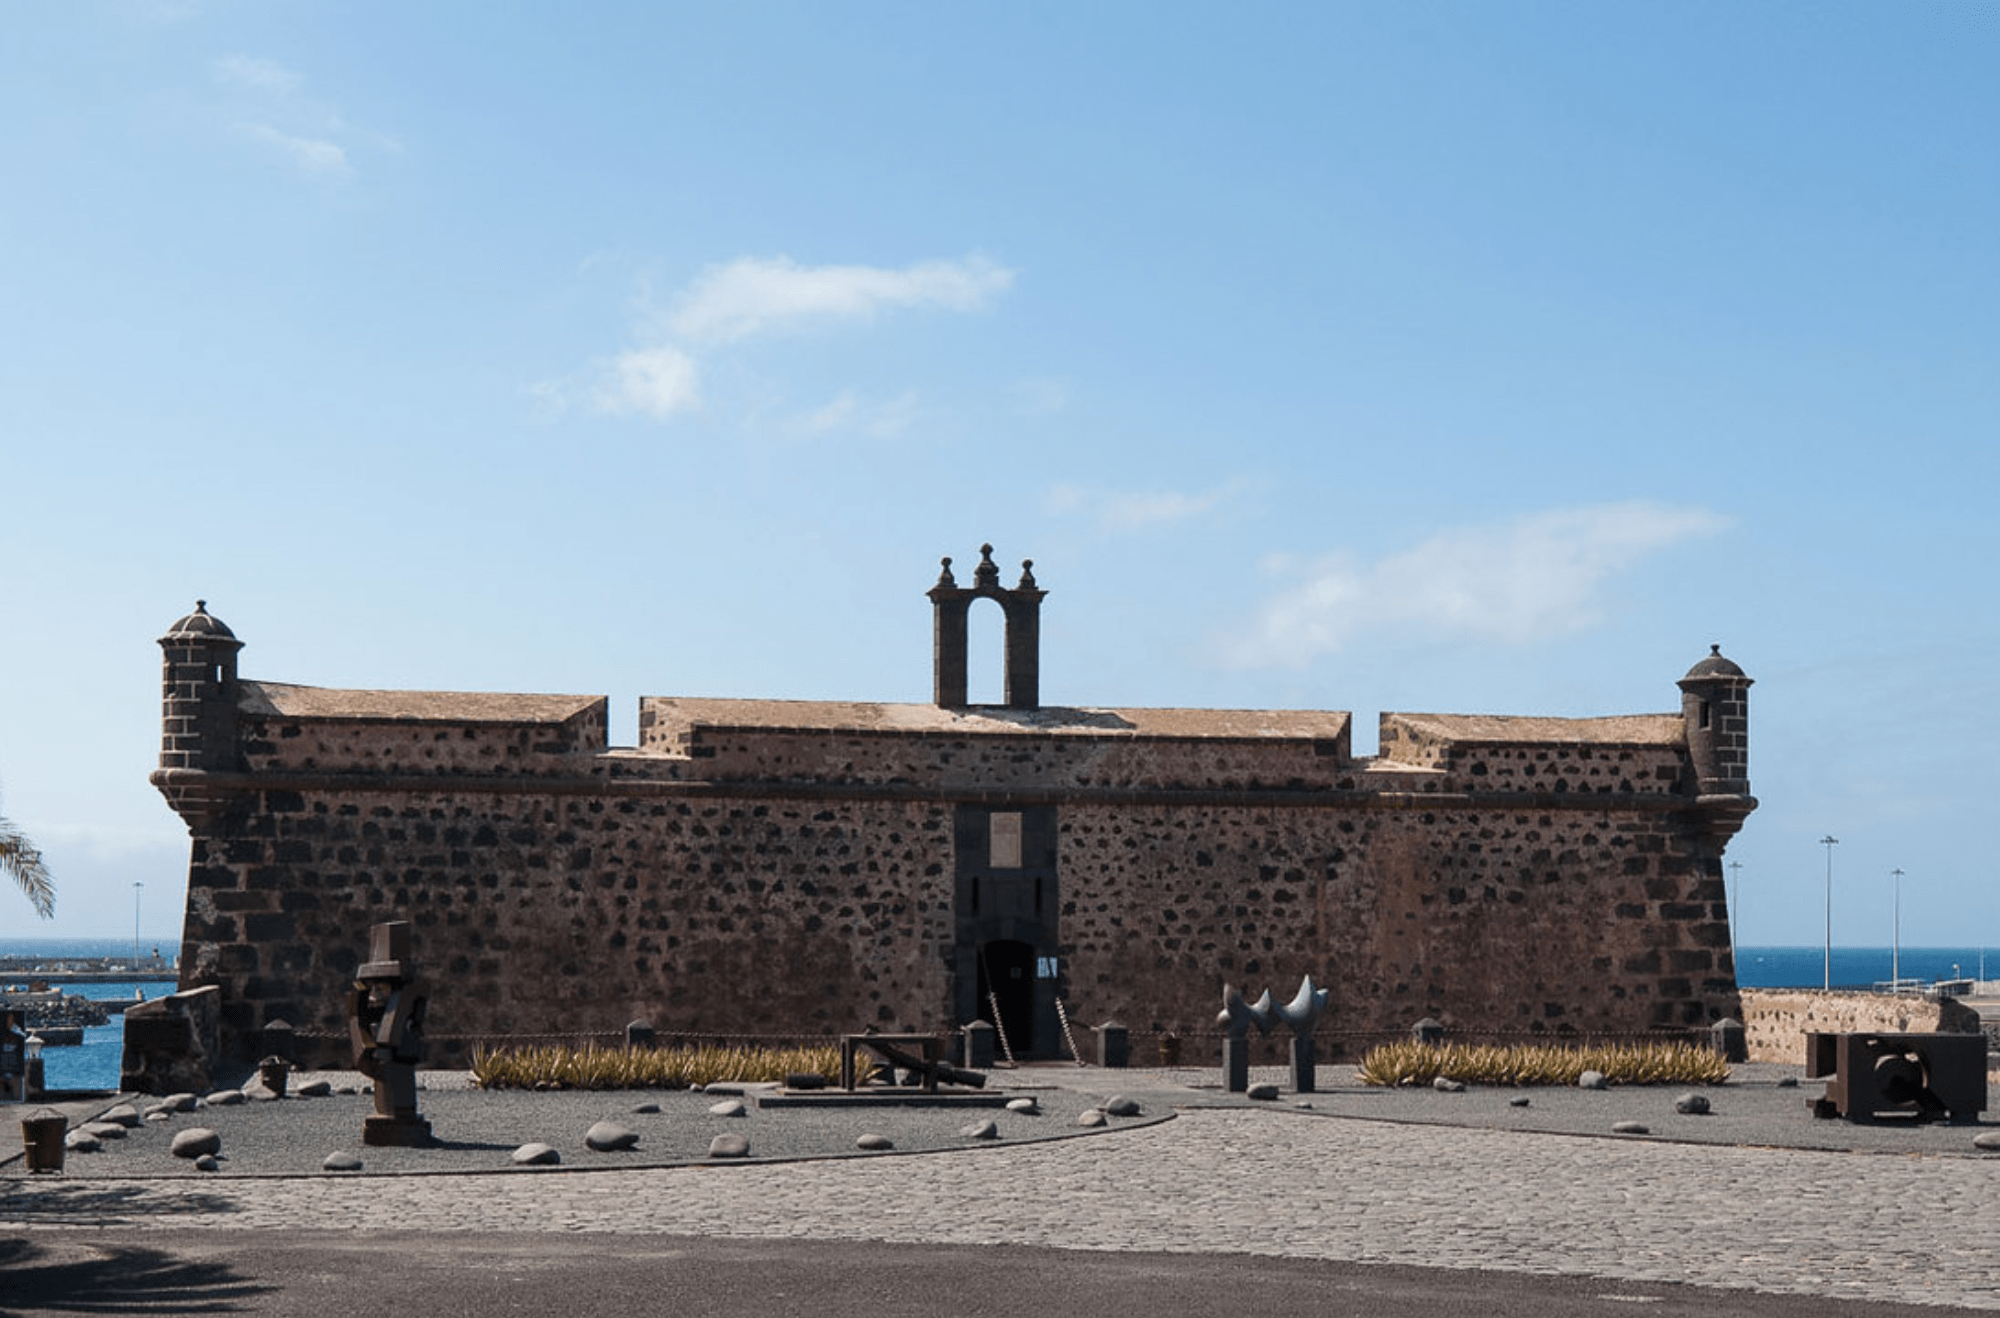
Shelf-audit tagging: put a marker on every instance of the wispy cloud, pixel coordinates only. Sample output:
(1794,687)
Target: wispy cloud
(312,156)
(1041,396)
(305,132)
(850,413)
(655,382)
(264,75)
(1123,511)
(754,296)
(1512,583)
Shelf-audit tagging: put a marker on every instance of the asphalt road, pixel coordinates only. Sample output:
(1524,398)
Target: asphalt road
(306,1274)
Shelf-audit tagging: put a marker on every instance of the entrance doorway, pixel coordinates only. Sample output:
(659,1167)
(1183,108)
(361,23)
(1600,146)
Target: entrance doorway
(1007,975)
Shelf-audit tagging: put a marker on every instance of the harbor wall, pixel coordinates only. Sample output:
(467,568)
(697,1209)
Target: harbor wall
(1776,1021)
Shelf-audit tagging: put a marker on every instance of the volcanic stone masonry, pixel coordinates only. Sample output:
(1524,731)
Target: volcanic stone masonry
(800,869)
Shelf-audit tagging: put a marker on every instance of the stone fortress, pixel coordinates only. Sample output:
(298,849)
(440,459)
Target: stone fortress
(795,869)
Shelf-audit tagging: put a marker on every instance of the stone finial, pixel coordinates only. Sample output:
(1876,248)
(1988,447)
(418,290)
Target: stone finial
(988,572)
(1027,581)
(945,577)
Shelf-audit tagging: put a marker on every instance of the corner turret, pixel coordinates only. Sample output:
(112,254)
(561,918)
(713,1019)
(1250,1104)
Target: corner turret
(1715,702)
(198,714)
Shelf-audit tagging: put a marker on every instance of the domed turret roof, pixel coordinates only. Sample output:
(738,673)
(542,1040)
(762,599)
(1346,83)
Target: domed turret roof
(201,623)
(1715,665)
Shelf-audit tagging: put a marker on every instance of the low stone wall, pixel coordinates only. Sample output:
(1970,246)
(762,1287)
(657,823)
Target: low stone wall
(172,1043)
(1776,1021)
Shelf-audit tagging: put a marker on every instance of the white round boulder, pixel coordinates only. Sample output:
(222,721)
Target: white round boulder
(196,1142)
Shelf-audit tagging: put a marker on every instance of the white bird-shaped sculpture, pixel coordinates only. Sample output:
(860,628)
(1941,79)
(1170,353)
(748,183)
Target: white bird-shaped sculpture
(1302,1012)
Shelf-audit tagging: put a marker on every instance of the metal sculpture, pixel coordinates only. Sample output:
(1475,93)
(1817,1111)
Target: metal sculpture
(1236,1018)
(1300,1015)
(385,1010)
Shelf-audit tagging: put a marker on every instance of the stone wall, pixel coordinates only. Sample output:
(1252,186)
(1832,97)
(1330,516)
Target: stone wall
(1776,1021)
(790,909)
(555,914)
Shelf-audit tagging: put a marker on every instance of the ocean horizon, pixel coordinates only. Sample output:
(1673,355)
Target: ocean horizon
(1757,966)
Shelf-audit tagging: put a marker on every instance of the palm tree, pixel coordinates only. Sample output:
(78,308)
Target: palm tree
(19,858)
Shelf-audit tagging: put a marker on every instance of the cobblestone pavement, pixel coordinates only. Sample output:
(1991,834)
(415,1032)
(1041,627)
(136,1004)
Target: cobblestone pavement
(1276,1182)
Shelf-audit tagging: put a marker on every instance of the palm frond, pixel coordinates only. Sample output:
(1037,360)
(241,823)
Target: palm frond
(19,858)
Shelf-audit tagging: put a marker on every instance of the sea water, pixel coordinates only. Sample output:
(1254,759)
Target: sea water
(1859,967)
(95,1063)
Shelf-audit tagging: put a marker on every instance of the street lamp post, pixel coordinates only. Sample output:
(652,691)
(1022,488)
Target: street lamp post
(1829,842)
(1896,936)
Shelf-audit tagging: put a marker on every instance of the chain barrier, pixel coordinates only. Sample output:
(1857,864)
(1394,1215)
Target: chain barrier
(1000,1028)
(1062,1014)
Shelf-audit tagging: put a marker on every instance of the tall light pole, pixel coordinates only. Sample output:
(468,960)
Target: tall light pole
(1829,842)
(136,887)
(1896,934)
(1735,887)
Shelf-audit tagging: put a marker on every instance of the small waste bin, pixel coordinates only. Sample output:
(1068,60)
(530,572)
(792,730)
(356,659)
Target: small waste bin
(43,1136)
(1170,1050)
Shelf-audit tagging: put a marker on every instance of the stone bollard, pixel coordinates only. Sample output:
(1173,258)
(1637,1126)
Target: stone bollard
(639,1034)
(976,1047)
(1428,1030)
(1730,1040)
(274,1073)
(280,1041)
(1114,1048)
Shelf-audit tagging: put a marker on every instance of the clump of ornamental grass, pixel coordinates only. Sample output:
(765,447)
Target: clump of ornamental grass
(594,1066)
(1542,1064)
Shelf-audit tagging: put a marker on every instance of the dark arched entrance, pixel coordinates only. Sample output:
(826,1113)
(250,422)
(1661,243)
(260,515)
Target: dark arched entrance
(1007,977)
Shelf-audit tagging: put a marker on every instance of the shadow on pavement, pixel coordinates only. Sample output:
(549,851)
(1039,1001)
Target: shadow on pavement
(116,1279)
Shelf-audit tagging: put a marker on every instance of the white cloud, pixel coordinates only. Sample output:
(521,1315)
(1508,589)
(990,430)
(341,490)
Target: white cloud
(261,74)
(752,296)
(1526,580)
(655,382)
(311,155)
(1122,512)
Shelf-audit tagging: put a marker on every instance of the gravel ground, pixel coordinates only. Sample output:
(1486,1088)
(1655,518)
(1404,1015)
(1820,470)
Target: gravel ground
(478,1131)
(474,1130)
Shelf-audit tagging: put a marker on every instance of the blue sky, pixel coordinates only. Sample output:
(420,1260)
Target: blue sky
(1455,357)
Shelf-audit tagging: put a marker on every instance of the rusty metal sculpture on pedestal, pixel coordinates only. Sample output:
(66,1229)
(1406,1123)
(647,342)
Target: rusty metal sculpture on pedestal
(385,1011)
